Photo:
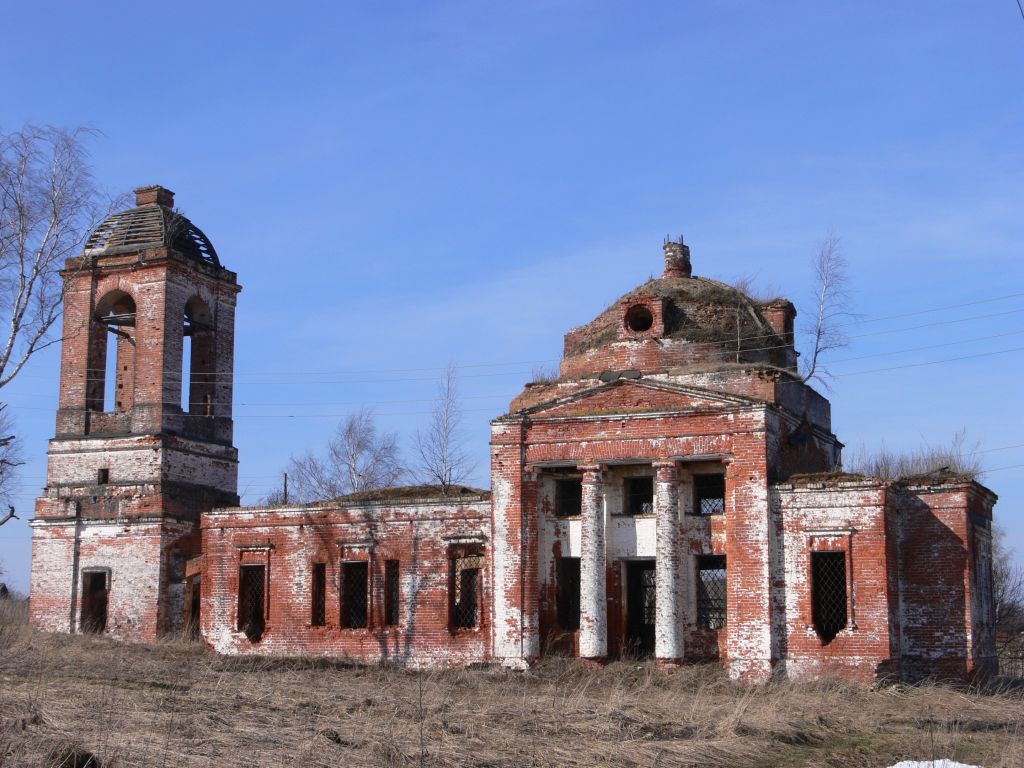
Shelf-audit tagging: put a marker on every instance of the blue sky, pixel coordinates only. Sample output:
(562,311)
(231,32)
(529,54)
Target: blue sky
(403,185)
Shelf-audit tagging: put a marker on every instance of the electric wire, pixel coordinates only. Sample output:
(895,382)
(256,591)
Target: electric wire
(493,364)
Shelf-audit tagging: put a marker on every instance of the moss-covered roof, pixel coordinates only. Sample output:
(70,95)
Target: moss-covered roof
(409,493)
(697,309)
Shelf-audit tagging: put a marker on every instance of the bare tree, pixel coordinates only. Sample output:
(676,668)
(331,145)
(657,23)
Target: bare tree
(358,458)
(442,457)
(1007,588)
(832,301)
(275,498)
(10,459)
(49,204)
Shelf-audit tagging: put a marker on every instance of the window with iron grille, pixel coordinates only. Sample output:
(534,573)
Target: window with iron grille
(354,604)
(828,593)
(392,593)
(466,573)
(568,498)
(567,588)
(708,494)
(711,592)
(649,596)
(252,585)
(638,496)
(318,615)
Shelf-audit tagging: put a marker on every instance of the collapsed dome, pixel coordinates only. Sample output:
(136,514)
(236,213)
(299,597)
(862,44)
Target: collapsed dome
(153,223)
(680,319)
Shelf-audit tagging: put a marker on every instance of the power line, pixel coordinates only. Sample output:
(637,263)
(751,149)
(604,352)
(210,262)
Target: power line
(507,397)
(236,382)
(502,397)
(930,346)
(932,309)
(480,410)
(932,362)
(361,371)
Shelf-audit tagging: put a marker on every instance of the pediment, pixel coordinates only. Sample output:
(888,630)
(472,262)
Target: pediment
(633,397)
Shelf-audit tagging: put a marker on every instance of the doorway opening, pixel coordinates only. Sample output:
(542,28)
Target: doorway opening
(640,607)
(94,601)
(194,601)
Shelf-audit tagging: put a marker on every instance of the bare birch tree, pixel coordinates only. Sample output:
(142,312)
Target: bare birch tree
(10,460)
(442,456)
(358,458)
(49,205)
(832,300)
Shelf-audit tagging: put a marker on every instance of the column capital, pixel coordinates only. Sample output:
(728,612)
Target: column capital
(590,468)
(664,464)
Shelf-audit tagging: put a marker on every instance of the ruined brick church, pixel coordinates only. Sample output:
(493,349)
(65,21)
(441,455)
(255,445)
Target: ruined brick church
(676,492)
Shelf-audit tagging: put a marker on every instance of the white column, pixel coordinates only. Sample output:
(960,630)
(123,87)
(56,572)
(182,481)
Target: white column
(593,584)
(668,569)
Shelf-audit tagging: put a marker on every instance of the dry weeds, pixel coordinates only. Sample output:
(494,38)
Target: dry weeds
(67,698)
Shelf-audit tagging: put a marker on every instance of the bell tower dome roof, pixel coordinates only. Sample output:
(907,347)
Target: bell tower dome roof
(152,223)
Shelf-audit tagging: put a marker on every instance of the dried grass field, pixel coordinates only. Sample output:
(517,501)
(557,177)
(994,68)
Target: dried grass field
(64,698)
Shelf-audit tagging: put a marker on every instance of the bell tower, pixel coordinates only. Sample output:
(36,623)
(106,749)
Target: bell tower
(143,441)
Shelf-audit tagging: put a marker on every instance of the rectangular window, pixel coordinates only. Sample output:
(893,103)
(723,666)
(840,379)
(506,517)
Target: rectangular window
(102,476)
(708,494)
(464,591)
(568,593)
(318,616)
(638,496)
(828,593)
(354,602)
(392,593)
(568,498)
(711,592)
(252,585)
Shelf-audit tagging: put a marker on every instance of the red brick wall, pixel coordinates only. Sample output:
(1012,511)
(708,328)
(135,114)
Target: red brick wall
(840,516)
(421,536)
(139,557)
(937,580)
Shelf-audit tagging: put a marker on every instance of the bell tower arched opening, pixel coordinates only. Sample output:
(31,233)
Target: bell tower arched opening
(198,374)
(110,376)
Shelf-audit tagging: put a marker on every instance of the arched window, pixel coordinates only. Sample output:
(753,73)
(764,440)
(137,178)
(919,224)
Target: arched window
(197,359)
(110,380)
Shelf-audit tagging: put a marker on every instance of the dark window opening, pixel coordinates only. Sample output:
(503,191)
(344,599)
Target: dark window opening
(711,592)
(465,591)
(568,498)
(639,318)
(94,601)
(638,496)
(828,593)
(318,617)
(252,586)
(568,593)
(102,476)
(708,494)
(392,593)
(641,606)
(355,606)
